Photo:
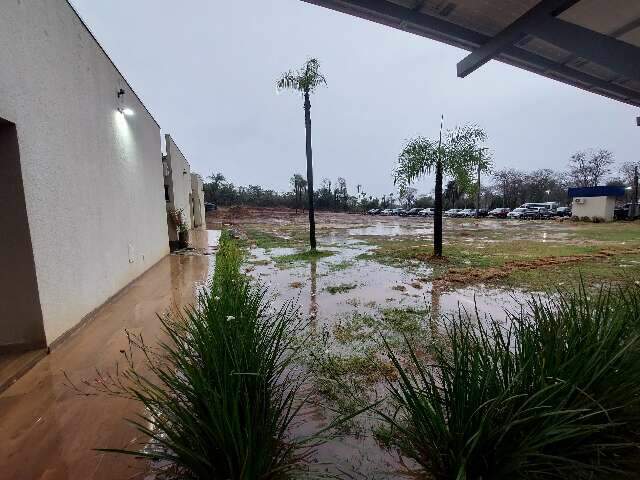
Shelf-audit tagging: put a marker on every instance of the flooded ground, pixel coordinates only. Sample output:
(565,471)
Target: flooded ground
(351,301)
(376,278)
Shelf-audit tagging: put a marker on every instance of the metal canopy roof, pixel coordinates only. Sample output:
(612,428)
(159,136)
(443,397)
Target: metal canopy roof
(591,44)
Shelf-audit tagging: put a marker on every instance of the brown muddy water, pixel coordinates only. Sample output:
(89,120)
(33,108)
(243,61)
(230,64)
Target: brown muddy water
(335,291)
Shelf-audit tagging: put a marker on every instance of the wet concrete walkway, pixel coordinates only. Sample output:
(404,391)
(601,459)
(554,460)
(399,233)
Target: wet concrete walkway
(47,430)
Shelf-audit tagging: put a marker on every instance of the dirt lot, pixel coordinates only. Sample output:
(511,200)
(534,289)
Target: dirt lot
(374,277)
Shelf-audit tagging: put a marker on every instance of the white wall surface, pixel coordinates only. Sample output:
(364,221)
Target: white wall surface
(93,178)
(180,180)
(601,207)
(197,190)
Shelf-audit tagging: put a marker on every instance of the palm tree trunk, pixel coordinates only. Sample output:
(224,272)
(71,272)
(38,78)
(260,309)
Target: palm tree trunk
(307,126)
(437,218)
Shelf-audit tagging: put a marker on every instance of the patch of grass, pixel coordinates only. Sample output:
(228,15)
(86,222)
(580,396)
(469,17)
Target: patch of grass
(304,256)
(615,269)
(457,255)
(268,240)
(404,320)
(261,262)
(221,393)
(368,367)
(552,395)
(609,232)
(357,327)
(340,266)
(341,288)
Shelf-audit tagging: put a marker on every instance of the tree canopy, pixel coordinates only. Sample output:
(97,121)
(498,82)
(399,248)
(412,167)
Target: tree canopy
(306,79)
(460,152)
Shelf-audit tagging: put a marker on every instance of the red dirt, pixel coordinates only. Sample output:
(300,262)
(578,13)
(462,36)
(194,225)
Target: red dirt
(465,276)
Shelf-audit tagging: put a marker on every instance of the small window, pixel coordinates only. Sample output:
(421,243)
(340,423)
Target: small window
(166,193)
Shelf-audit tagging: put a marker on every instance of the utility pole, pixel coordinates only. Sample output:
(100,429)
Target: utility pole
(634,200)
(478,188)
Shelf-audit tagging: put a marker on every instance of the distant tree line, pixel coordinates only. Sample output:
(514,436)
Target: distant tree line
(508,187)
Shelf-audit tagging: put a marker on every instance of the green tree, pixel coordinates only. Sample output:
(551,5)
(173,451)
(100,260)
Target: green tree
(217,179)
(457,155)
(306,80)
(298,184)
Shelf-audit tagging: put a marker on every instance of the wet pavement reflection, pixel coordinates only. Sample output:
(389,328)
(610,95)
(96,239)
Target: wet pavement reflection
(47,430)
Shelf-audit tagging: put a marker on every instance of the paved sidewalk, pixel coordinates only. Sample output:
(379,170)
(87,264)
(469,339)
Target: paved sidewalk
(48,431)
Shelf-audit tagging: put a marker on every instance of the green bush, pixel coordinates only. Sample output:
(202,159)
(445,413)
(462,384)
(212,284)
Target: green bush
(555,394)
(221,393)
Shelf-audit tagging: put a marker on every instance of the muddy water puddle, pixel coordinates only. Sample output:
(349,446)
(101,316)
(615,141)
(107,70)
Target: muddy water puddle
(350,300)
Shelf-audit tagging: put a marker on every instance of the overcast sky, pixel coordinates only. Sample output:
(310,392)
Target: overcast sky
(207,70)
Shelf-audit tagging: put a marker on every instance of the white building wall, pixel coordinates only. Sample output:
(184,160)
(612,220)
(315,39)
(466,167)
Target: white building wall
(93,178)
(197,190)
(179,180)
(600,207)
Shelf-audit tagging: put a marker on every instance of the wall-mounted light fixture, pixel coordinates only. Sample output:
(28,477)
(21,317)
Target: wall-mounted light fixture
(127,112)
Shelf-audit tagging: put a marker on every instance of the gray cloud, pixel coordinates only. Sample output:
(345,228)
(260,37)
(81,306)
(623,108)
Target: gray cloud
(207,70)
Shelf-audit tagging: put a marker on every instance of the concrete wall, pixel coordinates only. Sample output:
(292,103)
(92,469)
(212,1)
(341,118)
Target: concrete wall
(197,191)
(178,180)
(601,207)
(92,177)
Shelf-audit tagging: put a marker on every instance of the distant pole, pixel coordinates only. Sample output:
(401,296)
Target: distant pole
(634,202)
(478,191)
(437,218)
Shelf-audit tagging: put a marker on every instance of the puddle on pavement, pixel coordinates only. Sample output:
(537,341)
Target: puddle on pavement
(331,290)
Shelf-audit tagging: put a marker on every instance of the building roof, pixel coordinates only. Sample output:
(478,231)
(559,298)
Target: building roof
(600,191)
(591,44)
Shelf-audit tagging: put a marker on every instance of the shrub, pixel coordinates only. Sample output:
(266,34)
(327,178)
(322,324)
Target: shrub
(553,395)
(220,394)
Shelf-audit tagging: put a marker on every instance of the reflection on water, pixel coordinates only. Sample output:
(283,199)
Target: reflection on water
(313,280)
(371,287)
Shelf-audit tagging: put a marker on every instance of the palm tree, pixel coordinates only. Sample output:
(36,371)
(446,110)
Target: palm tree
(457,156)
(298,183)
(306,80)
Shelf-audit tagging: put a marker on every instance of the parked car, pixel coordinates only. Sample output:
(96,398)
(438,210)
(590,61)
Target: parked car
(386,212)
(399,211)
(563,211)
(451,212)
(427,212)
(373,211)
(210,207)
(622,213)
(413,212)
(465,213)
(517,212)
(537,213)
(499,212)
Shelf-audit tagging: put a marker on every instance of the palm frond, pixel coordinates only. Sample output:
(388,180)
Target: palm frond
(306,79)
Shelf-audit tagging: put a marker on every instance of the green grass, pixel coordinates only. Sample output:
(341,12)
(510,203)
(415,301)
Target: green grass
(552,395)
(285,261)
(595,272)
(268,240)
(407,253)
(221,394)
(404,320)
(340,266)
(341,288)
(609,232)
